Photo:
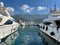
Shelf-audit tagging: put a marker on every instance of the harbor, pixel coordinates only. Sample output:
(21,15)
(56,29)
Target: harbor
(29,22)
(28,36)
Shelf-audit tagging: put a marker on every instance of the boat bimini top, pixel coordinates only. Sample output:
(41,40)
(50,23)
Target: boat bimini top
(4,15)
(51,19)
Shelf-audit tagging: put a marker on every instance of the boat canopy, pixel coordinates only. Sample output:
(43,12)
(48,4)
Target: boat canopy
(51,19)
(3,11)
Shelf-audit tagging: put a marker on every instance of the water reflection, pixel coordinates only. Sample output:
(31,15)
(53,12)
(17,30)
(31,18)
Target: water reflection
(10,39)
(23,27)
(28,36)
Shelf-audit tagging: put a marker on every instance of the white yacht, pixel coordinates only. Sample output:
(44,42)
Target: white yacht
(51,25)
(8,25)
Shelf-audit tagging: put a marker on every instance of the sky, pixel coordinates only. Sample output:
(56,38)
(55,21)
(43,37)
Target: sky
(30,6)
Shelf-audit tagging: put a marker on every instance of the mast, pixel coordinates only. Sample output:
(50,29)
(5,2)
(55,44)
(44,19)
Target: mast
(54,11)
(55,8)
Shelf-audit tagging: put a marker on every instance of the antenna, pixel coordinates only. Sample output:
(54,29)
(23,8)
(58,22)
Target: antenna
(47,5)
(55,7)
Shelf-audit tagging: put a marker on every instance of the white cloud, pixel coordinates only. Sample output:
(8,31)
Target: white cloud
(27,8)
(10,9)
(39,8)
(1,4)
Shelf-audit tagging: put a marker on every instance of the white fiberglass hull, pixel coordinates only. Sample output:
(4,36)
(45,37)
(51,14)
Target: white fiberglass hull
(7,30)
(49,29)
(55,37)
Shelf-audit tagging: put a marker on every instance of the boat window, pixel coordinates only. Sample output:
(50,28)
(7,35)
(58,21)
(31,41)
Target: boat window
(43,27)
(47,23)
(8,22)
(0,19)
(58,23)
(46,28)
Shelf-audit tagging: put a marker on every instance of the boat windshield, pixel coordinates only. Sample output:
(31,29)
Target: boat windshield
(47,23)
(3,12)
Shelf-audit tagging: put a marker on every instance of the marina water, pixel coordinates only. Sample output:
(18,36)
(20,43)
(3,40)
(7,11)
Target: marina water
(25,35)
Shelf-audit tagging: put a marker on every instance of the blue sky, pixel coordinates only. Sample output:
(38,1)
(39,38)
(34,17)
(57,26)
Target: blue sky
(31,6)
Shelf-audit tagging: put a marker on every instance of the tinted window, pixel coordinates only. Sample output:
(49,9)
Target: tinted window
(8,22)
(46,28)
(58,23)
(47,23)
(43,27)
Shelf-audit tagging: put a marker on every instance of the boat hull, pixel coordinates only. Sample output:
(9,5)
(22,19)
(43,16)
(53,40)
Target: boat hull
(6,30)
(47,40)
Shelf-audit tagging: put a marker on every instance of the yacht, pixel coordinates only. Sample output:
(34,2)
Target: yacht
(51,25)
(8,25)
